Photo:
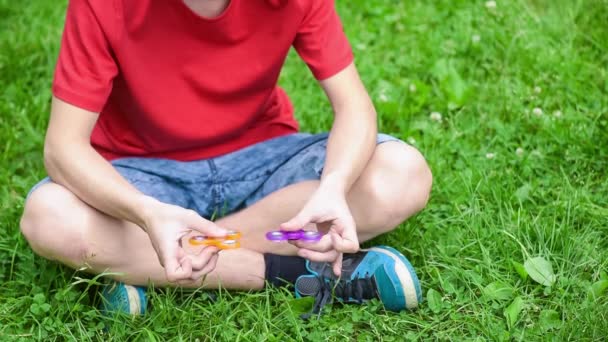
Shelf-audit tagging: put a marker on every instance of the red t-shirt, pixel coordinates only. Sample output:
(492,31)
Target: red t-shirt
(169,83)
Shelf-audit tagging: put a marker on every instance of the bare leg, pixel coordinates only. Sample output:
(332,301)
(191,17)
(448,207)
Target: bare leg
(60,227)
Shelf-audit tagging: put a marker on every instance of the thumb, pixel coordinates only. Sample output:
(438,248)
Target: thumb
(207,228)
(298,222)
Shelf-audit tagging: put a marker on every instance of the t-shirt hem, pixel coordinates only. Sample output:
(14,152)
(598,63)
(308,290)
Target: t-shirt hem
(324,74)
(77,100)
(198,154)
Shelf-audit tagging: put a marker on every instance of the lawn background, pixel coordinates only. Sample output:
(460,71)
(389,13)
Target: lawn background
(519,156)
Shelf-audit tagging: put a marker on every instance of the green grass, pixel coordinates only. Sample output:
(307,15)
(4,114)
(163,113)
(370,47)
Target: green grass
(510,185)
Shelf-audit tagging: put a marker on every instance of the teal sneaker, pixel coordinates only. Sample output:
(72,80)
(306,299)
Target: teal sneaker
(119,297)
(379,272)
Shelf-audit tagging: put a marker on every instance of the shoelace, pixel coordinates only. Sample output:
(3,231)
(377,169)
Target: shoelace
(358,289)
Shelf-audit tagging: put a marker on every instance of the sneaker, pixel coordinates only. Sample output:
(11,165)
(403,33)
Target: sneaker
(119,297)
(380,272)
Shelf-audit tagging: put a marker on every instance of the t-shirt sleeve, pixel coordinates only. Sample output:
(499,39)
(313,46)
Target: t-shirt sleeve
(321,41)
(85,68)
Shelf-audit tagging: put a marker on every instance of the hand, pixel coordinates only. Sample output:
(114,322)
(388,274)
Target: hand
(166,225)
(327,208)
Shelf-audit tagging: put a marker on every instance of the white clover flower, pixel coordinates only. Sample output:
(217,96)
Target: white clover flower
(519,151)
(435,116)
(490,155)
(412,88)
(538,90)
(557,114)
(537,111)
(476,38)
(411,141)
(491,4)
(383,97)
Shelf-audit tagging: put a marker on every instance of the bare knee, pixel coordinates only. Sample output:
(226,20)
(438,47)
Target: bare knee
(416,180)
(398,184)
(53,222)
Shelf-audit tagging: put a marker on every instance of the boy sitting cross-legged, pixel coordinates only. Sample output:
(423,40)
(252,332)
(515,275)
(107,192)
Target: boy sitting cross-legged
(166,112)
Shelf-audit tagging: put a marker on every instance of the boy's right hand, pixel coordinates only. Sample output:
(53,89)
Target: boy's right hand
(166,225)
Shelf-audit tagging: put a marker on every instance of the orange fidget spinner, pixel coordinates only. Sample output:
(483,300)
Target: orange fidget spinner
(230,241)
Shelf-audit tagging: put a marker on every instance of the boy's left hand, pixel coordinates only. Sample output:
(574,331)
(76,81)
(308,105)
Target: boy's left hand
(327,209)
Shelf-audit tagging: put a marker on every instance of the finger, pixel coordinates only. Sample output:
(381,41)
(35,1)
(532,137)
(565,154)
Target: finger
(176,270)
(337,265)
(323,245)
(200,260)
(207,269)
(344,236)
(211,264)
(344,245)
(298,222)
(318,256)
(207,228)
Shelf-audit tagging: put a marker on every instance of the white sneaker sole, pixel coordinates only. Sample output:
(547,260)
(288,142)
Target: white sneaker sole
(134,301)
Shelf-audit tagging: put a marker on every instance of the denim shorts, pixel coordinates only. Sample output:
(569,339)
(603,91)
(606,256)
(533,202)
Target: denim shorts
(219,186)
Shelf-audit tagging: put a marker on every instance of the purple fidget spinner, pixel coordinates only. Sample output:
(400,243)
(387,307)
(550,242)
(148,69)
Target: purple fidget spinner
(304,235)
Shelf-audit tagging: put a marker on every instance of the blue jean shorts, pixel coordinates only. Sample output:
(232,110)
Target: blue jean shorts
(219,186)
